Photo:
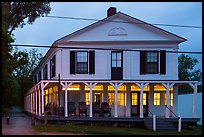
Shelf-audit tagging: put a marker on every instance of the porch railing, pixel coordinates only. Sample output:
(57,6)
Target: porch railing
(179,118)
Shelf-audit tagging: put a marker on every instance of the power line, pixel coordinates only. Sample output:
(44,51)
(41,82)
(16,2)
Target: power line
(90,48)
(172,25)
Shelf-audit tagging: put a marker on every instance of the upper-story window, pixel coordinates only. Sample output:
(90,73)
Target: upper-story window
(116,59)
(52,66)
(45,72)
(153,62)
(82,62)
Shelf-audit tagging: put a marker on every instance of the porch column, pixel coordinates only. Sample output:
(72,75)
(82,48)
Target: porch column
(42,92)
(31,103)
(167,86)
(116,86)
(36,107)
(39,103)
(194,86)
(65,98)
(141,86)
(90,85)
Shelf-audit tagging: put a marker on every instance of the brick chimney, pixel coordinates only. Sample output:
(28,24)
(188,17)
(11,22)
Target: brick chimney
(111,11)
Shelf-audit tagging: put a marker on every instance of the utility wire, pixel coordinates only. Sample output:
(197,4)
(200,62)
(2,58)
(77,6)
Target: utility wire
(174,25)
(90,48)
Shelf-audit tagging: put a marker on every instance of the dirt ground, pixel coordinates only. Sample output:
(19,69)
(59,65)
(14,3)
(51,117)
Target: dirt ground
(20,124)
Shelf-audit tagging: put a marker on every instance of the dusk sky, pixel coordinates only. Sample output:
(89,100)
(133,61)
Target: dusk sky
(44,31)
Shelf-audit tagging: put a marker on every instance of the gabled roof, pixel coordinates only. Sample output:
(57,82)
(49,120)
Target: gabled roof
(108,19)
(133,20)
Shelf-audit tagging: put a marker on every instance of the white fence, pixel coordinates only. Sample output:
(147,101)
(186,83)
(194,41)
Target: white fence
(185,106)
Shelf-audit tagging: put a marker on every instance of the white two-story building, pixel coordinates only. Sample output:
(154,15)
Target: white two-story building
(121,60)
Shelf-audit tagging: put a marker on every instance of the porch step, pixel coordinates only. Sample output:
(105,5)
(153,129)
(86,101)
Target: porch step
(160,125)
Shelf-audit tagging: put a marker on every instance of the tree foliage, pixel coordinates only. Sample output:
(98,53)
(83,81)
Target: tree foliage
(23,64)
(15,13)
(186,71)
(14,71)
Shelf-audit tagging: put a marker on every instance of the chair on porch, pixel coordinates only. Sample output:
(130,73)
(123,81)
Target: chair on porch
(96,108)
(71,108)
(105,108)
(82,108)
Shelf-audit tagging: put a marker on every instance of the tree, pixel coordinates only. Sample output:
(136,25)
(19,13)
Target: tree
(23,64)
(15,13)
(186,72)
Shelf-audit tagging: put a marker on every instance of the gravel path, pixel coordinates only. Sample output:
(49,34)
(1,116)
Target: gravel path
(20,124)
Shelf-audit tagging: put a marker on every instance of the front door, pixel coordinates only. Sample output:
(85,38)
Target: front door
(97,98)
(116,65)
(135,103)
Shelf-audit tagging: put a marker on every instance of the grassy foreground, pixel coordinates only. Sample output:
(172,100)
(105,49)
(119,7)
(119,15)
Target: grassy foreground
(101,130)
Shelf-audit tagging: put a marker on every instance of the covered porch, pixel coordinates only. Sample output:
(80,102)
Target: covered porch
(125,98)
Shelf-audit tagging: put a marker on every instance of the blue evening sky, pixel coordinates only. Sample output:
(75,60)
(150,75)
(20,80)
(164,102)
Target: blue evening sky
(44,31)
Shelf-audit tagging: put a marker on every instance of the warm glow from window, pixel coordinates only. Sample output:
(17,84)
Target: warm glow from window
(121,99)
(136,88)
(160,87)
(156,99)
(50,94)
(134,99)
(144,98)
(46,96)
(110,98)
(97,87)
(87,99)
(73,87)
(55,88)
(121,88)
(171,99)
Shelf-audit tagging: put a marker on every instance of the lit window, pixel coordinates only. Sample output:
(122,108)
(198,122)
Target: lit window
(121,88)
(121,99)
(73,87)
(46,96)
(144,98)
(156,99)
(97,87)
(134,99)
(160,87)
(136,88)
(87,98)
(110,98)
(171,99)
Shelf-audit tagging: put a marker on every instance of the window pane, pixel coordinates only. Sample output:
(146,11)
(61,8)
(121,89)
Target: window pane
(119,56)
(113,63)
(156,99)
(82,67)
(119,63)
(113,56)
(81,56)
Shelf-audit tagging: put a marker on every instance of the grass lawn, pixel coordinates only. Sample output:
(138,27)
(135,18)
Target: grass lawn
(104,130)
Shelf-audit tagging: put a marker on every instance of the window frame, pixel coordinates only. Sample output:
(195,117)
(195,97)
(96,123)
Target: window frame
(116,59)
(76,63)
(147,63)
